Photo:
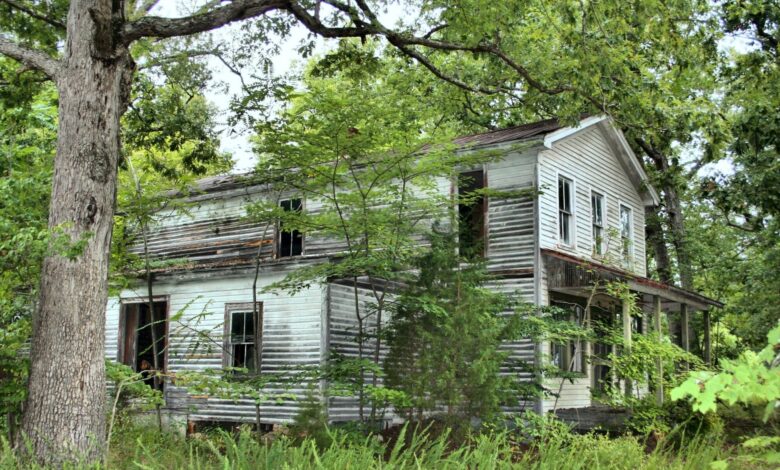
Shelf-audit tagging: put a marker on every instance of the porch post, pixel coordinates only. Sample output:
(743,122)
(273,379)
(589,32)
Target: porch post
(684,326)
(627,338)
(659,385)
(707,339)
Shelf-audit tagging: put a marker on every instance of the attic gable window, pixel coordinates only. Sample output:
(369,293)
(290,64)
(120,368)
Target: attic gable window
(597,216)
(471,214)
(626,234)
(565,210)
(290,242)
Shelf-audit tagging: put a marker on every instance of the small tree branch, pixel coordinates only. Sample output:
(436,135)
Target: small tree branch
(30,57)
(30,12)
(154,26)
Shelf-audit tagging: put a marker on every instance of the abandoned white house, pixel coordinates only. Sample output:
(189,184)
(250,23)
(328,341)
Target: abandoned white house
(533,245)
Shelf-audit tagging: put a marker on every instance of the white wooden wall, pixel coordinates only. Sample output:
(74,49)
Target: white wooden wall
(587,159)
(292,337)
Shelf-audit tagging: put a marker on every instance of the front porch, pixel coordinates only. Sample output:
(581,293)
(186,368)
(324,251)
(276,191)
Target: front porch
(587,286)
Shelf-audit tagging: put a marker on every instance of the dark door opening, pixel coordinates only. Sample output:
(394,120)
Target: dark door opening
(138,329)
(471,214)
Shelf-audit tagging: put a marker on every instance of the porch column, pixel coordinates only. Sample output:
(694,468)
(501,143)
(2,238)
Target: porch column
(627,338)
(707,339)
(659,385)
(685,331)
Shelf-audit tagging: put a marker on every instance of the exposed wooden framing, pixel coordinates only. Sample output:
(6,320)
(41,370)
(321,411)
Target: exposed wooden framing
(659,385)
(626,315)
(707,338)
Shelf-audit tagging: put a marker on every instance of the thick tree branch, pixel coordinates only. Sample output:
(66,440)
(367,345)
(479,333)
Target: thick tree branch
(153,26)
(30,57)
(30,12)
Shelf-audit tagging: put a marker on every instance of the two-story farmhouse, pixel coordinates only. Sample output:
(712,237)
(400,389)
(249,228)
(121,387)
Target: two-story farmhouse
(590,212)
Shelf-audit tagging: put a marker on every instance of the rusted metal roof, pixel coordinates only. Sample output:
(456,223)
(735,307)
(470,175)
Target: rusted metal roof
(583,272)
(509,134)
(525,131)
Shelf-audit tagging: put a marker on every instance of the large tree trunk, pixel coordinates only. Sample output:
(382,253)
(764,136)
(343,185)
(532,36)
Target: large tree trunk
(65,412)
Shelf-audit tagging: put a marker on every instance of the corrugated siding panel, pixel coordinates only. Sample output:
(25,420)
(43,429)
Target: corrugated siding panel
(342,331)
(292,338)
(587,159)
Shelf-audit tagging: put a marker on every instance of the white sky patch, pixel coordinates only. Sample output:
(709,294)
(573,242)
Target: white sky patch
(235,139)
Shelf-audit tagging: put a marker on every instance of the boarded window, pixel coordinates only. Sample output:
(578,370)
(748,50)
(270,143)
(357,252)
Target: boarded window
(597,216)
(626,234)
(243,331)
(138,330)
(471,214)
(290,242)
(565,213)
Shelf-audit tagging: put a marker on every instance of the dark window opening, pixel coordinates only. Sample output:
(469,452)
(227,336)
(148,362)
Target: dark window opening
(136,339)
(290,242)
(471,214)
(243,330)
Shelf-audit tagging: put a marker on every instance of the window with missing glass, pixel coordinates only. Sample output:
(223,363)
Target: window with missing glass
(597,222)
(289,242)
(565,211)
(243,330)
(472,206)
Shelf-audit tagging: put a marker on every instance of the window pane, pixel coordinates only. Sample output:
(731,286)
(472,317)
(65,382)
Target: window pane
(237,327)
(239,355)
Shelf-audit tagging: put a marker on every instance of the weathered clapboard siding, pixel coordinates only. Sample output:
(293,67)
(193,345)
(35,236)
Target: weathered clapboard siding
(292,338)
(342,339)
(510,221)
(588,159)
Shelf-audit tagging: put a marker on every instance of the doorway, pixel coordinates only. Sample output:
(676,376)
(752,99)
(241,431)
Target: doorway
(142,336)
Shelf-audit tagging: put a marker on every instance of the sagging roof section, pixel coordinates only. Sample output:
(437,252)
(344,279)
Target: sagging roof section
(567,271)
(548,130)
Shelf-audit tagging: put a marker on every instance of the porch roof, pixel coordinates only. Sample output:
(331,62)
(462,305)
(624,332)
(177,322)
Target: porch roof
(568,273)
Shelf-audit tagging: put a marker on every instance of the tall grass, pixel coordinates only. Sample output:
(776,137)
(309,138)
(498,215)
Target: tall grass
(144,448)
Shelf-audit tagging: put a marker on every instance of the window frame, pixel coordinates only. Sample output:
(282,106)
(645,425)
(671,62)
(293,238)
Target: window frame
(280,231)
(572,213)
(626,256)
(602,245)
(257,337)
(569,348)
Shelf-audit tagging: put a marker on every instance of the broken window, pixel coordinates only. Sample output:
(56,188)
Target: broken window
(290,242)
(569,356)
(141,335)
(626,234)
(243,329)
(597,215)
(471,214)
(565,213)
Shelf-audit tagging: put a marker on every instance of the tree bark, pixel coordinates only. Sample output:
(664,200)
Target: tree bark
(65,413)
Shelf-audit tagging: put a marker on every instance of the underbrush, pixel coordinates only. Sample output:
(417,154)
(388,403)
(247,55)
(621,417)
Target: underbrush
(135,447)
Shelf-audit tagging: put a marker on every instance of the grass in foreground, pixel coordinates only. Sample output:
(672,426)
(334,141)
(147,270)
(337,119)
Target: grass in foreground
(145,448)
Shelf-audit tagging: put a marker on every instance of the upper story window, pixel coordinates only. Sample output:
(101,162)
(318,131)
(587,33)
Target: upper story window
(242,334)
(471,214)
(626,234)
(290,242)
(597,216)
(565,211)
